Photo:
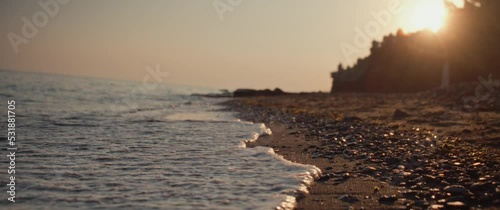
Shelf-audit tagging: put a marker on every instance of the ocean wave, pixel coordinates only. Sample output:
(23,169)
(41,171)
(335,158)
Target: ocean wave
(305,174)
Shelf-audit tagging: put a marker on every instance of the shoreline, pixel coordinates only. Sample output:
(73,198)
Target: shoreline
(319,194)
(369,159)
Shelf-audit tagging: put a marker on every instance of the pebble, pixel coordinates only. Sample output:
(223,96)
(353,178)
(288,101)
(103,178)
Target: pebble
(348,198)
(455,205)
(368,170)
(430,178)
(398,114)
(388,199)
(457,190)
(346,175)
(422,203)
(436,206)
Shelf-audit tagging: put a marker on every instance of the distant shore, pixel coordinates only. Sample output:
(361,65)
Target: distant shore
(383,151)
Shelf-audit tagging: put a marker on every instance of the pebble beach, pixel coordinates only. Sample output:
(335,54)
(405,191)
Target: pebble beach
(384,151)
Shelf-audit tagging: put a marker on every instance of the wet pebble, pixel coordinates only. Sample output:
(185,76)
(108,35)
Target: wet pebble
(348,198)
(457,190)
(388,199)
(456,205)
(422,203)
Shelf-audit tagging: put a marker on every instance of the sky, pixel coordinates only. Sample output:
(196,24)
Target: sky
(227,44)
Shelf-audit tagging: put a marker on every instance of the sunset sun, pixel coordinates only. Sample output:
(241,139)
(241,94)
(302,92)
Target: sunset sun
(427,15)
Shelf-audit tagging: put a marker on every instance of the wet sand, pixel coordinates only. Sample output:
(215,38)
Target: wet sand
(384,151)
(325,194)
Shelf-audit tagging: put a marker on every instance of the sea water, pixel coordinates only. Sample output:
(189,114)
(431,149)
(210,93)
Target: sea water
(87,143)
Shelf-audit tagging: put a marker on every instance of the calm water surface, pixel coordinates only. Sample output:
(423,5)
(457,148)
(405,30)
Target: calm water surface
(89,144)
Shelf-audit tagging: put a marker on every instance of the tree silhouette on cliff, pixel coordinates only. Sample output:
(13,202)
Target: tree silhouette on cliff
(470,43)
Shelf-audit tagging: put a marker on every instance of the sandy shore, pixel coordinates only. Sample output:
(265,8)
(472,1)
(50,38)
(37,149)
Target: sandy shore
(384,151)
(325,194)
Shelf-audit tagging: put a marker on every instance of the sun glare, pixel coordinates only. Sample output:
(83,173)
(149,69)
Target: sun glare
(429,14)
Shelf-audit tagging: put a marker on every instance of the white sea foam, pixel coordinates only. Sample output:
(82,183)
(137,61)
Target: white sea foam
(306,174)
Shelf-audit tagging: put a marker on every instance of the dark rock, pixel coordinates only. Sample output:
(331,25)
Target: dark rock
(479,186)
(348,198)
(422,203)
(430,178)
(388,199)
(352,119)
(466,131)
(392,160)
(368,170)
(410,194)
(398,115)
(457,190)
(419,170)
(252,92)
(326,177)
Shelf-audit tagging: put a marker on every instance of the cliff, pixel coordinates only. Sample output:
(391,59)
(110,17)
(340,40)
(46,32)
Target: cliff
(469,45)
